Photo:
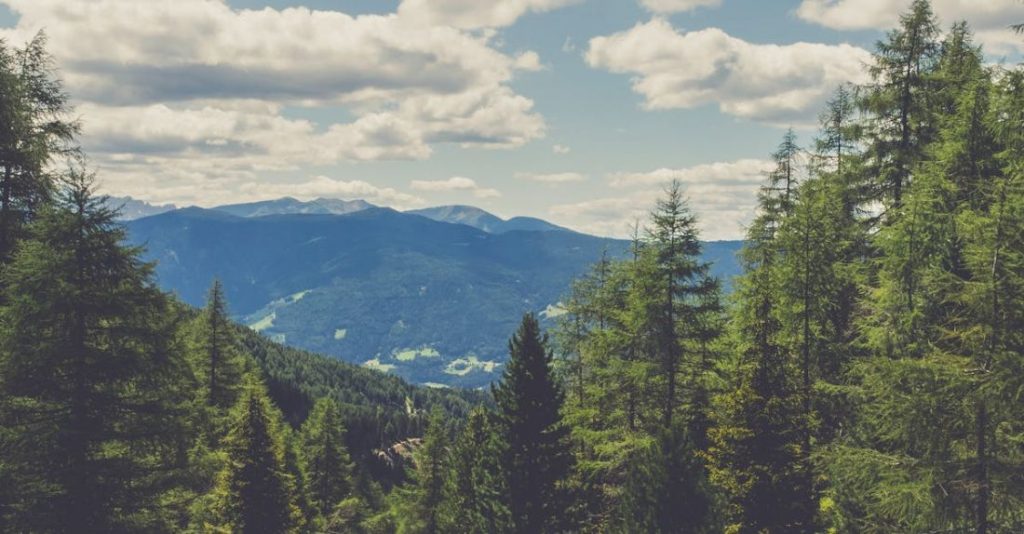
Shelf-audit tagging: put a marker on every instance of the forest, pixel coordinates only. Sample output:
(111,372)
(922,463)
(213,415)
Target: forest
(864,375)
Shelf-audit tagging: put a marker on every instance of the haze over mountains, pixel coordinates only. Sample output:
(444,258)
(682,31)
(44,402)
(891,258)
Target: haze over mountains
(430,295)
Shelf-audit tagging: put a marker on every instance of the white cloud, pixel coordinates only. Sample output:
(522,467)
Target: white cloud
(990,19)
(769,83)
(722,195)
(472,14)
(206,88)
(560,149)
(325,187)
(455,183)
(744,172)
(677,6)
(552,178)
(210,183)
(529,61)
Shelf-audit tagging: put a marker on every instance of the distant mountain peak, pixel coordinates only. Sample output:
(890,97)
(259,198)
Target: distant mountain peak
(130,208)
(294,206)
(484,220)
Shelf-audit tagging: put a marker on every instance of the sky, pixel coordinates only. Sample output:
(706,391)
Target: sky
(575,111)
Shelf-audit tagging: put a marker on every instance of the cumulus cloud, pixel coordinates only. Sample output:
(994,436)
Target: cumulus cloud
(722,195)
(325,187)
(455,183)
(677,6)
(473,14)
(989,18)
(552,178)
(560,149)
(768,83)
(161,83)
(744,172)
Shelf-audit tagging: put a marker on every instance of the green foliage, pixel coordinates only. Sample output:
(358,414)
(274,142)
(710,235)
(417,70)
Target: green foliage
(220,365)
(667,489)
(90,375)
(536,458)
(759,444)
(35,131)
(326,465)
(417,507)
(867,376)
(254,491)
(475,491)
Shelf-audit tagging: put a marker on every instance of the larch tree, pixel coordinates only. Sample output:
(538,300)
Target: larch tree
(90,375)
(35,131)
(897,100)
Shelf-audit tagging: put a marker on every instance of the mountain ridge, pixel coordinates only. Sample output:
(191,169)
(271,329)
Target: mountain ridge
(430,301)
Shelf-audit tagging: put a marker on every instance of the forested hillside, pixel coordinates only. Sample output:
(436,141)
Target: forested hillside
(864,376)
(432,302)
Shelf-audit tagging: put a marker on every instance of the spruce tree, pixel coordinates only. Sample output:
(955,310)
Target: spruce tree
(537,457)
(90,376)
(219,364)
(757,452)
(681,301)
(326,465)
(254,492)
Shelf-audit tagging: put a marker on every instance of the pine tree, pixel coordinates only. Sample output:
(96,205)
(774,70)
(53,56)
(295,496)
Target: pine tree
(325,460)
(89,374)
(925,454)
(254,492)
(537,459)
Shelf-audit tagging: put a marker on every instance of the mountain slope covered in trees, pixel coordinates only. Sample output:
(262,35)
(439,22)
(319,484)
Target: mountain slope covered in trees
(865,376)
(427,300)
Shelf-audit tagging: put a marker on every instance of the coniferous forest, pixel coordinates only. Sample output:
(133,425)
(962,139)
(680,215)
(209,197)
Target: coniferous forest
(865,374)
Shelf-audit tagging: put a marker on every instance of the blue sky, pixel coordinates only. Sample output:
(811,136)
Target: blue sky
(576,111)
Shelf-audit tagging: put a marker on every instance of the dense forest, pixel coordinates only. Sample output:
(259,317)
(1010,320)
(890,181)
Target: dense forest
(865,374)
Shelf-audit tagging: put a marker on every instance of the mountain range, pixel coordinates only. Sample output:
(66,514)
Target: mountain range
(430,295)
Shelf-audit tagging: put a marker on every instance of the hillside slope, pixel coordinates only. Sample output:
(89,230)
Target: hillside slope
(432,302)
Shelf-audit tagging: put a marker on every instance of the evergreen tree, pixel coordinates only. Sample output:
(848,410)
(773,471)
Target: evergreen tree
(667,489)
(89,375)
(537,459)
(678,308)
(254,492)
(475,492)
(35,130)
(418,508)
(327,467)
(901,120)
(219,363)
(757,453)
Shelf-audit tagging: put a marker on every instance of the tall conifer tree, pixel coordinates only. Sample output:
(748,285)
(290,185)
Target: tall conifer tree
(537,456)
(254,492)
(326,465)
(89,375)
